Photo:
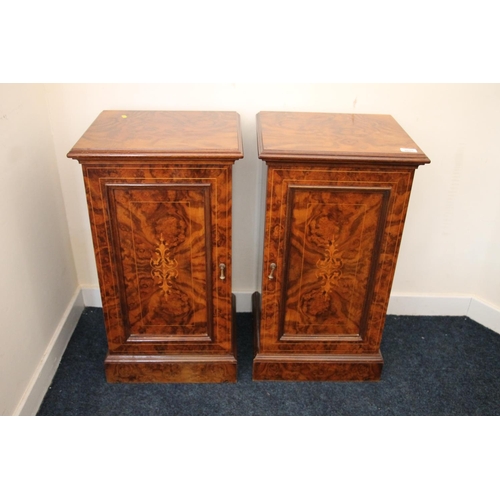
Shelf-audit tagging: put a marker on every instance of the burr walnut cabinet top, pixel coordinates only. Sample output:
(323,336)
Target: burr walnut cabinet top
(335,136)
(161,134)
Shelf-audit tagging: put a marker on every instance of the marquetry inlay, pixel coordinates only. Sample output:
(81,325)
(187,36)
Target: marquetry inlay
(329,269)
(164,269)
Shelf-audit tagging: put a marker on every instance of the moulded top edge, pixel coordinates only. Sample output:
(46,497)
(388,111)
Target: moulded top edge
(162,134)
(413,160)
(335,137)
(81,154)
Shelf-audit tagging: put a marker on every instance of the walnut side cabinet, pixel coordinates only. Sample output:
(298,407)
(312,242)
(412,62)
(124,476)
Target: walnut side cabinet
(158,187)
(338,187)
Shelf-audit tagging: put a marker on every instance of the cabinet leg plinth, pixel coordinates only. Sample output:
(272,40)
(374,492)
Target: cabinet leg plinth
(170,369)
(361,368)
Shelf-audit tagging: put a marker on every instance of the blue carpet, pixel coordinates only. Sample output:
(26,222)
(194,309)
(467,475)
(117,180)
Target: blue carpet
(433,366)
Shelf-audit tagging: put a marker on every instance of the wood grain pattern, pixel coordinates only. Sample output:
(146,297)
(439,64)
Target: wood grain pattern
(331,247)
(121,262)
(337,198)
(171,369)
(158,188)
(335,136)
(164,256)
(362,368)
(363,291)
(161,134)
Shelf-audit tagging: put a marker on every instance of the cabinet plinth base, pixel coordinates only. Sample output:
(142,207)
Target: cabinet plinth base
(170,369)
(364,367)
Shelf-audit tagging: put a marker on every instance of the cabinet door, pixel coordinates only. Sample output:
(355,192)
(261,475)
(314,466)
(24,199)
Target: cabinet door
(162,235)
(332,237)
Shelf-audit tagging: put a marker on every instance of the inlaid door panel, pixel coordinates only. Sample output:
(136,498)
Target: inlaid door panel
(163,247)
(160,236)
(332,236)
(333,244)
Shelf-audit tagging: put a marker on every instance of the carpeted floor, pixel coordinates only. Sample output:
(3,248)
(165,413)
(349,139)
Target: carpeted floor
(433,366)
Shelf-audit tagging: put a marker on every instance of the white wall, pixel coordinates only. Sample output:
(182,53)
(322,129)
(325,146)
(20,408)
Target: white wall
(452,237)
(38,277)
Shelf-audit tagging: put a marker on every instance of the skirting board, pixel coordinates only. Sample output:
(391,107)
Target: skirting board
(485,314)
(474,308)
(91,296)
(400,305)
(47,367)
